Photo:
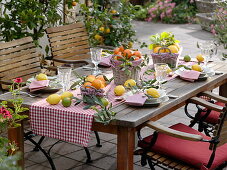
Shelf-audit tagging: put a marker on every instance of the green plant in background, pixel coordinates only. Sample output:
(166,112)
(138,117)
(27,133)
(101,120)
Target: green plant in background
(109,26)
(22,18)
(10,118)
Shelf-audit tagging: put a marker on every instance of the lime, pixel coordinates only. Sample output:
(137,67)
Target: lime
(105,102)
(187,58)
(66,102)
(66,94)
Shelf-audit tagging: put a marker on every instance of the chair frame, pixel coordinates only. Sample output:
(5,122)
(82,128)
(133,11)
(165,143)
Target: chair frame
(151,157)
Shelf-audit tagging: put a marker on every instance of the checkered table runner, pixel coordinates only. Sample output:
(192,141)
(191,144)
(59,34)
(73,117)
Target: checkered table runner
(71,124)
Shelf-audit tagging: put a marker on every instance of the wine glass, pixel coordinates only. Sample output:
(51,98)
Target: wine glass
(161,73)
(208,49)
(64,75)
(96,54)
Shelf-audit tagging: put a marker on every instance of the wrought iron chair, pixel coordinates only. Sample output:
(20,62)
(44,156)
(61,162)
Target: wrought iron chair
(69,44)
(206,118)
(182,147)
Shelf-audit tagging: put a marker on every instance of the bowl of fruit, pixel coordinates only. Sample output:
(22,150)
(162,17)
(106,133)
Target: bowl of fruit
(126,64)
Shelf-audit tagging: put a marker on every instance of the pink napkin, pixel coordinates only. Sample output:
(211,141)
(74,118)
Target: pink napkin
(136,99)
(37,85)
(190,75)
(105,61)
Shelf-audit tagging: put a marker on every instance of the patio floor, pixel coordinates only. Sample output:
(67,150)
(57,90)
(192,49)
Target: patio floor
(68,156)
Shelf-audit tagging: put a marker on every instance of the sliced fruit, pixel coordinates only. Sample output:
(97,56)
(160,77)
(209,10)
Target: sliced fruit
(187,58)
(66,94)
(196,67)
(53,99)
(200,58)
(41,77)
(153,92)
(66,102)
(119,90)
(130,83)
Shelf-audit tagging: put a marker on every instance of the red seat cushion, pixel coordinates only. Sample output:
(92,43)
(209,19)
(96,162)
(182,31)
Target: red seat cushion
(214,115)
(191,152)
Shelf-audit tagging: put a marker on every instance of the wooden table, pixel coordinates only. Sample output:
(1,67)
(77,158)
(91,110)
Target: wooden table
(128,118)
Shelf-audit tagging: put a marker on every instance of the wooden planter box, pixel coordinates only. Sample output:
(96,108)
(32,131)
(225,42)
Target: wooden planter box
(205,20)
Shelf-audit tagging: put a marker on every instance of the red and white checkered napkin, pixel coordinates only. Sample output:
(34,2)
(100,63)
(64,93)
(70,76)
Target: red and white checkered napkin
(71,124)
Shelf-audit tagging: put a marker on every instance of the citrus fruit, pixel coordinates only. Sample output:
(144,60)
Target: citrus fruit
(107,30)
(66,94)
(104,101)
(102,29)
(130,44)
(169,70)
(127,53)
(155,50)
(116,50)
(74,3)
(113,11)
(130,83)
(200,58)
(187,58)
(87,84)
(137,54)
(100,77)
(90,78)
(53,99)
(177,45)
(66,102)
(41,77)
(136,58)
(153,92)
(196,67)
(119,90)
(98,37)
(97,84)
(121,49)
(173,49)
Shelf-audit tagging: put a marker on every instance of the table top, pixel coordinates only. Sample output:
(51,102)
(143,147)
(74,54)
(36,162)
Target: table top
(129,116)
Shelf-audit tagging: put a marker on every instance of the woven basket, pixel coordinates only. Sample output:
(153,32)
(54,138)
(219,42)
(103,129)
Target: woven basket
(169,58)
(120,76)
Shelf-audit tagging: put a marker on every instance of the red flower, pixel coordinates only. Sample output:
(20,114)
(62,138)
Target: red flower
(5,113)
(18,80)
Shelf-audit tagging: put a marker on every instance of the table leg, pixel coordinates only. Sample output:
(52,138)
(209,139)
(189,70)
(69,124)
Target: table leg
(125,148)
(17,135)
(223,90)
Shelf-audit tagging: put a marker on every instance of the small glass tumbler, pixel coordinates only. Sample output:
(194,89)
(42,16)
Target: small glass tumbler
(161,73)
(64,76)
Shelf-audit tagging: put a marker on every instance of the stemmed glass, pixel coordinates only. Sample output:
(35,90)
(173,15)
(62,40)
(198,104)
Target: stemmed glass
(161,73)
(96,54)
(64,75)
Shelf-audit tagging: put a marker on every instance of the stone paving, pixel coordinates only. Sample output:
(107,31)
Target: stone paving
(69,156)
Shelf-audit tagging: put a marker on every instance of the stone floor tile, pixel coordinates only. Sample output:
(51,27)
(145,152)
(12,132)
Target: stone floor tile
(85,167)
(28,163)
(107,162)
(37,167)
(28,147)
(137,167)
(82,157)
(107,148)
(46,142)
(106,136)
(63,163)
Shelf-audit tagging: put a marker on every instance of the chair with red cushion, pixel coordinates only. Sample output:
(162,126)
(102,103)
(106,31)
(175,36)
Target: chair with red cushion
(206,118)
(182,147)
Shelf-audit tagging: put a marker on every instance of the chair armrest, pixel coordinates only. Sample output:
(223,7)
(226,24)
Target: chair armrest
(214,96)
(208,105)
(174,133)
(71,61)
(48,58)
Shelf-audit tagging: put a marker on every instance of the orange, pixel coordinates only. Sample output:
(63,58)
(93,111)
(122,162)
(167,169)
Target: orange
(102,86)
(97,83)
(87,84)
(101,77)
(90,78)
(121,49)
(137,54)
(136,58)
(127,53)
(173,49)
(116,50)
(74,3)
(155,50)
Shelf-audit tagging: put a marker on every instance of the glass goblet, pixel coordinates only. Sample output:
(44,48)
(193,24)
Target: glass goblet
(161,73)
(64,75)
(96,55)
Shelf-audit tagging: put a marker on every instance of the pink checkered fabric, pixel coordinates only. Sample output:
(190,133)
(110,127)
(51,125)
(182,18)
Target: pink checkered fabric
(71,124)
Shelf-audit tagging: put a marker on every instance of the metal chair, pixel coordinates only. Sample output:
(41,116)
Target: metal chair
(182,147)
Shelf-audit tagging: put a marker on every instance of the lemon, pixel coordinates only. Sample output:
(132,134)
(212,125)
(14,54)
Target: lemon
(66,102)
(156,49)
(98,37)
(119,90)
(66,94)
(187,58)
(169,70)
(200,58)
(196,67)
(107,30)
(130,83)
(102,29)
(41,77)
(153,92)
(105,102)
(53,99)
(173,49)
(113,11)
